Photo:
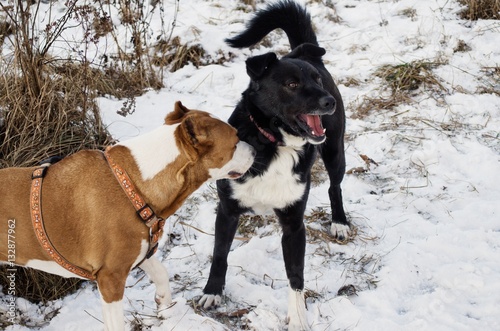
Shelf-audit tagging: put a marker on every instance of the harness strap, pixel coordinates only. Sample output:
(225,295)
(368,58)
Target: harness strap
(144,211)
(38,226)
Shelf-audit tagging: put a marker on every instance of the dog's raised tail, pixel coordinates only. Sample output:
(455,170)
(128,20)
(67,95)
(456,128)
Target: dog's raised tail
(286,15)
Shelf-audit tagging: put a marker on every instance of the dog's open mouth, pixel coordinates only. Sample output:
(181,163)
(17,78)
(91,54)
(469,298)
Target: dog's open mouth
(311,124)
(234,174)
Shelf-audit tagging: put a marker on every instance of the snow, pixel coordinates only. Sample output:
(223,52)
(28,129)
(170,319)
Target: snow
(427,252)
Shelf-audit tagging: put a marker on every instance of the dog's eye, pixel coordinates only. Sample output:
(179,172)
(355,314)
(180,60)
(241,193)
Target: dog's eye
(292,85)
(319,81)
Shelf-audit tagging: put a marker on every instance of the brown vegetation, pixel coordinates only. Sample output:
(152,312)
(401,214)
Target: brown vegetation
(480,9)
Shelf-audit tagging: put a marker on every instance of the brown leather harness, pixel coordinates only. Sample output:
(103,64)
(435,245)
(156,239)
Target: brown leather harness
(144,211)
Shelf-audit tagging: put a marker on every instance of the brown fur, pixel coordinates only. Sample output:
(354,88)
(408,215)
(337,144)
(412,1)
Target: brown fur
(88,217)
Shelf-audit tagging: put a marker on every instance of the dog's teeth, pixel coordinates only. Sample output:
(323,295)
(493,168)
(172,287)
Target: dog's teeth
(324,130)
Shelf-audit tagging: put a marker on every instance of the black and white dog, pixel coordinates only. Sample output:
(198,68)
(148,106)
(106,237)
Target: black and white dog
(291,110)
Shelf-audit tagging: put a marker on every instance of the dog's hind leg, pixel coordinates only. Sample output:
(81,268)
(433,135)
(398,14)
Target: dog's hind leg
(111,287)
(226,223)
(293,243)
(158,274)
(332,153)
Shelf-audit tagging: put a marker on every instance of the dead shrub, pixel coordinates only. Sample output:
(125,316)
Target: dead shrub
(175,55)
(480,9)
(6,29)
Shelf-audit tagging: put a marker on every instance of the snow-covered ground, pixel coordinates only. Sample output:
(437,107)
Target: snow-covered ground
(427,251)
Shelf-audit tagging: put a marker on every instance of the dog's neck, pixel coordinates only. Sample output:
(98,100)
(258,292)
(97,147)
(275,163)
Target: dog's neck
(266,134)
(154,151)
(167,189)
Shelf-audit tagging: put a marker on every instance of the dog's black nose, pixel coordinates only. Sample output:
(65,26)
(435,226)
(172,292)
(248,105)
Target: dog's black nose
(327,103)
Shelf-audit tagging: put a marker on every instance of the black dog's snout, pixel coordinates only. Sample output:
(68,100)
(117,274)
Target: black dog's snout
(327,103)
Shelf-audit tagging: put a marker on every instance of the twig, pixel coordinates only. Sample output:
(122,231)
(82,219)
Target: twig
(210,234)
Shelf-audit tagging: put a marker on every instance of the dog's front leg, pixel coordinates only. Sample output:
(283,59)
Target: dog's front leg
(158,274)
(332,153)
(111,287)
(226,224)
(293,243)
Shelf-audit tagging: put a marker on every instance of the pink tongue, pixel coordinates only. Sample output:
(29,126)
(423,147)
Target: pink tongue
(314,122)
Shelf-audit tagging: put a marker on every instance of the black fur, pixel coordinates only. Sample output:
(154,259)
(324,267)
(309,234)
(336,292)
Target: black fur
(280,94)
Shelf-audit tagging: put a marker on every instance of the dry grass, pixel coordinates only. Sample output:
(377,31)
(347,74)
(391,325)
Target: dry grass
(409,76)
(45,114)
(411,13)
(319,175)
(462,47)
(174,54)
(480,9)
(42,287)
(318,228)
(399,84)
(368,104)
(249,224)
(234,319)
(491,80)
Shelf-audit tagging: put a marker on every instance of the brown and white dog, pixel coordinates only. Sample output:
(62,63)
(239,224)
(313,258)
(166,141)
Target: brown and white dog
(88,216)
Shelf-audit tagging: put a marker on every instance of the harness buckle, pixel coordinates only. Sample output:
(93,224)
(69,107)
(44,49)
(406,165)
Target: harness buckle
(147,215)
(39,172)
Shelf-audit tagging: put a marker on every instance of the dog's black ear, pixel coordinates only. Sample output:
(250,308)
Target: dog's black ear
(257,65)
(307,50)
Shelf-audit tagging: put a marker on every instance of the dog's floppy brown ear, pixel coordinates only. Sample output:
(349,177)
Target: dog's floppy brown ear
(176,116)
(257,65)
(197,133)
(307,50)
(193,137)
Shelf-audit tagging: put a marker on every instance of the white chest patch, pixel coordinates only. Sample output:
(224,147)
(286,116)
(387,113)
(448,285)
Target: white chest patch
(51,267)
(276,188)
(154,150)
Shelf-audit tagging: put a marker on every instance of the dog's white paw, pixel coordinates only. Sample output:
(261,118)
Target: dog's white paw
(163,300)
(340,231)
(210,300)
(297,319)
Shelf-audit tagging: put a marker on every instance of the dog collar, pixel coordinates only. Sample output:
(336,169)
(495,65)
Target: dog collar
(144,211)
(265,133)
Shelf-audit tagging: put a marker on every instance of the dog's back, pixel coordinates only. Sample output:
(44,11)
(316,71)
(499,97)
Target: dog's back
(286,15)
